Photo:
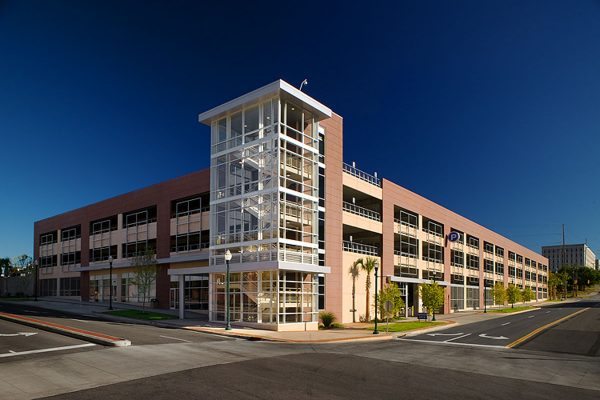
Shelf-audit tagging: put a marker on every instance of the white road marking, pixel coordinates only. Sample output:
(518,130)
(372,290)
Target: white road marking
(77,346)
(19,334)
(80,320)
(170,337)
(444,334)
(531,316)
(506,323)
(12,351)
(454,338)
(452,343)
(483,335)
(547,312)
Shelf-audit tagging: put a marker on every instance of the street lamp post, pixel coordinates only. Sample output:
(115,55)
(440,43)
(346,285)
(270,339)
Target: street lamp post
(110,262)
(227,316)
(376,332)
(35,287)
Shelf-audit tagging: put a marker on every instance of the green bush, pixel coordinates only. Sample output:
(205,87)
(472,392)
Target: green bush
(327,319)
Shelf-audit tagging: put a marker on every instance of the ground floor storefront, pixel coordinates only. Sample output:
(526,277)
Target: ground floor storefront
(274,299)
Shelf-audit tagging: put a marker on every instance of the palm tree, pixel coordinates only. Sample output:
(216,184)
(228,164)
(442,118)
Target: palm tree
(355,271)
(368,265)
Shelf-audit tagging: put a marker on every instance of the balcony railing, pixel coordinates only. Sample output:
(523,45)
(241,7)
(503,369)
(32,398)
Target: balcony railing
(361,248)
(363,212)
(362,175)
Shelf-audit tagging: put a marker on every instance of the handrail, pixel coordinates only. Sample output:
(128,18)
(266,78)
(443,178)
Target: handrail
(362,211)
(362,175)
(360,248)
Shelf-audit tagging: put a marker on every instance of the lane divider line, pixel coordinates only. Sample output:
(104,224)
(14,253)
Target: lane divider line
(458,337)
(21,353)
(504,324)
(171,337)
(539,330)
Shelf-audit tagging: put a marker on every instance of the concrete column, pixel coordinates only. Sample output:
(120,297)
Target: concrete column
(181,296)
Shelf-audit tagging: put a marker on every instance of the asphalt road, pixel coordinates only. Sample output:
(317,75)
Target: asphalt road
(137,334)
(327,376)
(578,335)
(500,332)
(18,341)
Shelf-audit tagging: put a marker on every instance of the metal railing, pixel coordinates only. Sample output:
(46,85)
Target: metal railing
(372,179)
(362,211)
(360,248)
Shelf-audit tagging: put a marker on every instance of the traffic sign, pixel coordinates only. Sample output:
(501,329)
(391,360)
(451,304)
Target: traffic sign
(388,306)
(453,236)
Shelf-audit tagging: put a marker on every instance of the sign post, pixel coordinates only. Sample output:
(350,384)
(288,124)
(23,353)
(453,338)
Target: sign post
(388,306)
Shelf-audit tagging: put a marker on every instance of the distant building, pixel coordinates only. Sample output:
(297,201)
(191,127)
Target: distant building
(573,254)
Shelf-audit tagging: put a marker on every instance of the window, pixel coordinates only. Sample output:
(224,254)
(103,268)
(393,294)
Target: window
(70,258)
(102,253)
(499,268)
(488,266)
(48,261)
(433,227)
(519,259)
(458,259)
(70,233)
(104,225)
(409,218)
(433,275)
(70,286)
(433,252)
(189,241)
(499,251)
(406,270)
(47,287)
(473,297)
(488,247)
(140,217)
(512,272)
(409,246)
(193,205)
(472,241)
(511,255)
(472,261)
(321,290)
(138,248)
(527,262)
(48,238)
(457,299)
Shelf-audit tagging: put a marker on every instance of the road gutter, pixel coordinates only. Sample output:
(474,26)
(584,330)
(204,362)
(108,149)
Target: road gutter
(541,329)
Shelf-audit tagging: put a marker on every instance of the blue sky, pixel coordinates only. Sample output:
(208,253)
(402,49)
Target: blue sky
(488,108)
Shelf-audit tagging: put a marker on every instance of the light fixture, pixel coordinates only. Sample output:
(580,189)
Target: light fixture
(228,255)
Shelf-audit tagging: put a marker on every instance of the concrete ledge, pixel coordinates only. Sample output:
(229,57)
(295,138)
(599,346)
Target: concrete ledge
(287,337)
(416,332)
(88,336)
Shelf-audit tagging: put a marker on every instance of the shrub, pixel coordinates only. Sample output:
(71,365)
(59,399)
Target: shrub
(327,319)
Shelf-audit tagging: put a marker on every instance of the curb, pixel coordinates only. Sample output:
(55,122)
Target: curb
(371,337)
(88,336)
(516,312)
